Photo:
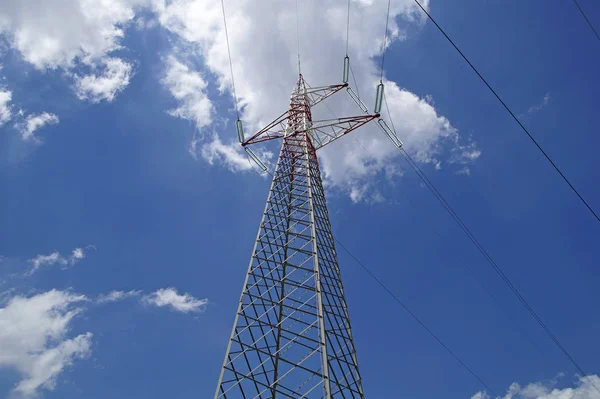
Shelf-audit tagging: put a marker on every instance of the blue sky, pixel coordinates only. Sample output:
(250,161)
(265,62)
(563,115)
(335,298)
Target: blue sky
(118,176)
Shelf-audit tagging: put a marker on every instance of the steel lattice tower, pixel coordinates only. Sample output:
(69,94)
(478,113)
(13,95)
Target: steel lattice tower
(291,336)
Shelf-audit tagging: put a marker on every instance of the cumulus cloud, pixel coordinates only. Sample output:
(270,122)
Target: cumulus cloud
(105,85)
(265,71)
(34,339)
(55,258)
(585,388)
(169,297)
(51,34)
(5,111)
(32,123)
(115,296)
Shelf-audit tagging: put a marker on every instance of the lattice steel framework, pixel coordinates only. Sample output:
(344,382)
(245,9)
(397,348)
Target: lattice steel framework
(291,336)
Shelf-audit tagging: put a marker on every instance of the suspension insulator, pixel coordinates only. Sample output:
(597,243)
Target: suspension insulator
(346,69)
(240,130)
(357,100)
(391,135)
(379,98)
(256,159)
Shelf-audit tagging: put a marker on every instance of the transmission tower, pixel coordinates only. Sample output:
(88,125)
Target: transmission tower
(291,336)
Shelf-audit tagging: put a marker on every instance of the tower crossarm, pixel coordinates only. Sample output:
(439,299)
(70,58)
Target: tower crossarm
(274,130)
(303,99)
(326,131)
(317,94)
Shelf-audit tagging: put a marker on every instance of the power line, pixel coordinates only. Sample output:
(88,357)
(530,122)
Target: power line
(464,265)
(586,19)
(347,46)
(384,45)
(512,114)
(348,28)
(485,254)
(237,111)
(416,318)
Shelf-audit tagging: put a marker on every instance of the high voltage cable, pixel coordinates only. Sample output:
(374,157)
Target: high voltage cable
(348,28)
(416,318)
(586,19)
(485,254)
(387,20)
(512,114)
(411,313)
(347,45)
(463,264)
(237,111)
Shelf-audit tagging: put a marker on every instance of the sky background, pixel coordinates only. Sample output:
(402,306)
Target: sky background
(118,167)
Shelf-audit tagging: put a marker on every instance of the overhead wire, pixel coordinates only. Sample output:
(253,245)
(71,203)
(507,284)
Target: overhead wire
(416,318)
(512,114)
(384,45)
(463,264)
(432,188)
(237,111)
(347,50)
(587,19)
(348,28)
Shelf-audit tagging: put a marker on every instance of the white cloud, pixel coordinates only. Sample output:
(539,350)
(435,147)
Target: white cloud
(585,388)
(538,107)
(5,111)
(189,89)
(55,258)
(169,297)
(34,342)
(66,34)
(57,33)
(115,296)
(230,155)
(35,122)
(265,71)
(86,32)
(43,260)
(113,79)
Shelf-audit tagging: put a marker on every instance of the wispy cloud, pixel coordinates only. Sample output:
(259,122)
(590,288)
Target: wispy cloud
(169,297)
(55,258)
(32,123)
(163,297)
(115,296)
(538,107)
